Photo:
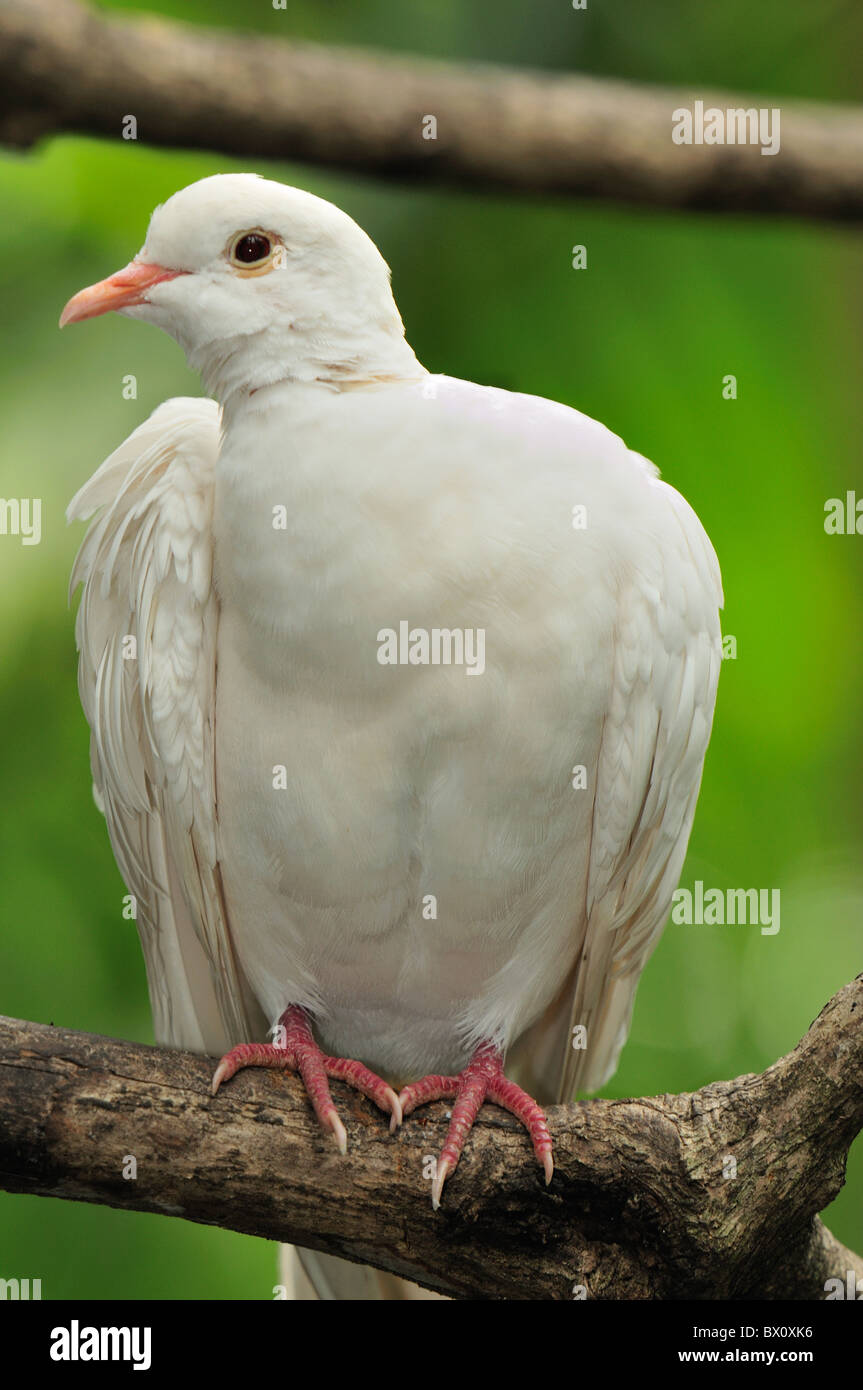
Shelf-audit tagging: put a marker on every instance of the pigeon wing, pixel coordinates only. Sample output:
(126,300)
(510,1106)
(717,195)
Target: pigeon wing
(667,655)
(146,636)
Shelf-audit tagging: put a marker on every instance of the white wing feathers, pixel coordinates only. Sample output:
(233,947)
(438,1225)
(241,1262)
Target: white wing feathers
(146,635)
(666,669)
(667,655)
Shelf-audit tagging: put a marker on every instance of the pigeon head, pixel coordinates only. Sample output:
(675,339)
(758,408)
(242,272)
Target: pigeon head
(258,283)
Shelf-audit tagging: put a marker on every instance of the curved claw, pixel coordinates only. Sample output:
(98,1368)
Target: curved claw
(444,1168)
(339,1132)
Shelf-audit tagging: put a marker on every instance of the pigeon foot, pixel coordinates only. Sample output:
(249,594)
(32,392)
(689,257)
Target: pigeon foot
(481,1080)
(297,1051)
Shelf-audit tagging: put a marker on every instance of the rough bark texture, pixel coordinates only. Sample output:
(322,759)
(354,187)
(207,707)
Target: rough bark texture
(66,67)
(638,1207)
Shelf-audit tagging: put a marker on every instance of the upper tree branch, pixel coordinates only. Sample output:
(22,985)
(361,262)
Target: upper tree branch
(66,67)
(639,1206)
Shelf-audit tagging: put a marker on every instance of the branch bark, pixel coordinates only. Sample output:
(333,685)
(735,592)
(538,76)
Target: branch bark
(66,67)
(639,1206)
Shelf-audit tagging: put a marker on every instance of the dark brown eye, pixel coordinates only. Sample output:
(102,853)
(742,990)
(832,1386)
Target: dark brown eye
(251,248)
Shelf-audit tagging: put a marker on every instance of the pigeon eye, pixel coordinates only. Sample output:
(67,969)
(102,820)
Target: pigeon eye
(250,249)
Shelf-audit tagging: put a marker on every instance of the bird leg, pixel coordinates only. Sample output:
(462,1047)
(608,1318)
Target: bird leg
(481,1080)
(296,1050)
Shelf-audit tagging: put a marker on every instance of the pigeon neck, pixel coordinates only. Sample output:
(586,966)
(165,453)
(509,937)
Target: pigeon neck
(239,367)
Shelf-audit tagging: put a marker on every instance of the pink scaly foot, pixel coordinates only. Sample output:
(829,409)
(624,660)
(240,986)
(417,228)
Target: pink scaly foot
(299,1052)
(482,1079)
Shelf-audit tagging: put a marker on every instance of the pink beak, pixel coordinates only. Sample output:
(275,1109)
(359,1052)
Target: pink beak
(119,291)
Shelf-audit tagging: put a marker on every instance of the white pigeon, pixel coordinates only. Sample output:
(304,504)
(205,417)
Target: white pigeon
(399,686)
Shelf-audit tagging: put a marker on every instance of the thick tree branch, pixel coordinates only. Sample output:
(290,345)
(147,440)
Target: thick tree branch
(640,1206)
(67,67)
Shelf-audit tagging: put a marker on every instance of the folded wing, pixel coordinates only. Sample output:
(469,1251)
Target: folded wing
(667,655)
(146,636)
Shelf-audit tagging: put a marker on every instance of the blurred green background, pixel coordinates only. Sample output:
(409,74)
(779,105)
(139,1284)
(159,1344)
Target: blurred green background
(668,305)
